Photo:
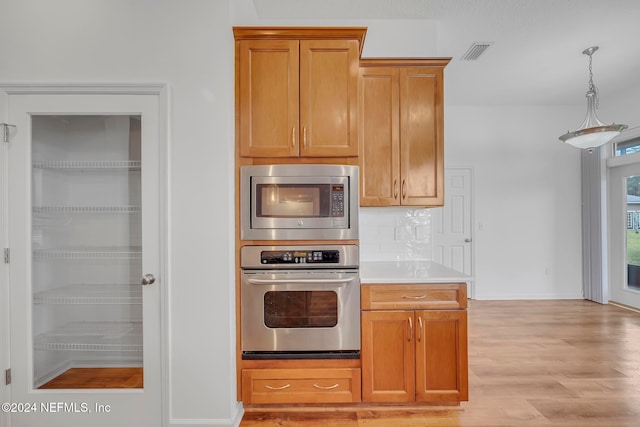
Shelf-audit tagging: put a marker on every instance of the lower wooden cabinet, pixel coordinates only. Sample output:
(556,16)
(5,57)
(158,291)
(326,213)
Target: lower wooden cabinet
(414,355)
(266,386)
(441,356)
(388,356)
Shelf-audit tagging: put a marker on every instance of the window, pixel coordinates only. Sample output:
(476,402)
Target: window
(628,142)
(627,147)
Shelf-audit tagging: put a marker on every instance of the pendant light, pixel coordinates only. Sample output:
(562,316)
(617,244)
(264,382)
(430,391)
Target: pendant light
(592,132)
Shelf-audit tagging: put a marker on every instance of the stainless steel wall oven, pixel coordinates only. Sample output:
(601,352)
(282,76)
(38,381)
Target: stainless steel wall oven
(300,301)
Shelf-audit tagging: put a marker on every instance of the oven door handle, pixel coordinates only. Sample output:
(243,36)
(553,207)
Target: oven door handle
(272,281)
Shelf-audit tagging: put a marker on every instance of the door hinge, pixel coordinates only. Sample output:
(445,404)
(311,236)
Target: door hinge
(7,255)
(5,131)
(7,377)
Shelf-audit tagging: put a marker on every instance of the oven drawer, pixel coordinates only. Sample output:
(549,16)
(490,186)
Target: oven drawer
(265,386)
(413,296)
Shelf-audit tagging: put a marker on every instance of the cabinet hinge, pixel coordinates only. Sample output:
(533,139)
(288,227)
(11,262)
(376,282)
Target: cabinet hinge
(5,131)
(7,256)
(7,377)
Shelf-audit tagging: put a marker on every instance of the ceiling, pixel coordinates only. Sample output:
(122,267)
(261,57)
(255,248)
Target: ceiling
(536,56)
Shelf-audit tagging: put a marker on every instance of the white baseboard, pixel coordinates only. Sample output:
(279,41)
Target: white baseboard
(502,296)
(233,421)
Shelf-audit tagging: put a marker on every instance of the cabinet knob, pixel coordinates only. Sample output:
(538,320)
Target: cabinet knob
(148,279)
(468,240)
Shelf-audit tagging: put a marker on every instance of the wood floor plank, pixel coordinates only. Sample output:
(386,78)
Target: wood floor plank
(85,378)
(542,363)
(603,412)
(292,419)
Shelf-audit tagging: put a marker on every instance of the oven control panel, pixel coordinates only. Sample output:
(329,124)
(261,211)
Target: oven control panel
(312,256)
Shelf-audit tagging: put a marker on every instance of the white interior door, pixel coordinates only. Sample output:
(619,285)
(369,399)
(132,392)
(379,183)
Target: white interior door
(83,220)
(452,237)
(624,229)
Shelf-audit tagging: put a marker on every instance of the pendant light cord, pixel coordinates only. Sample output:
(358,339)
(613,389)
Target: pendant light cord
(592,87)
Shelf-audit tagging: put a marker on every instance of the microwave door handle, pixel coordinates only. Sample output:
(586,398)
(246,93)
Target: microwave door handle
(272,281)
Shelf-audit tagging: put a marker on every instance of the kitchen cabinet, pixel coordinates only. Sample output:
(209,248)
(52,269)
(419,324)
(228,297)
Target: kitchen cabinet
(297,92)
(401,122)
(321,385)
(414,343)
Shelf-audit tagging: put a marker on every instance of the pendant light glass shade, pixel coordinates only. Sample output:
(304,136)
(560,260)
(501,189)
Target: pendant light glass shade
(592,132)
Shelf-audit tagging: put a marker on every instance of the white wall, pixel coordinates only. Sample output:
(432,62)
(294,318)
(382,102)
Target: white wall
(385,38)
(527,232)
(621,107)
(189,46)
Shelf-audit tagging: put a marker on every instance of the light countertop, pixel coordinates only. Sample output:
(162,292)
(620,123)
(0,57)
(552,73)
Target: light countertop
(408,272)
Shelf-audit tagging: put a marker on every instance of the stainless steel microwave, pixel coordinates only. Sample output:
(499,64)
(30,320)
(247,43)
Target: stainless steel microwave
(299,202)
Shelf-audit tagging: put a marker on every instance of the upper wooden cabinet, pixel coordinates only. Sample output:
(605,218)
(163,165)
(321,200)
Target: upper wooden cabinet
(401,121)
(297,91)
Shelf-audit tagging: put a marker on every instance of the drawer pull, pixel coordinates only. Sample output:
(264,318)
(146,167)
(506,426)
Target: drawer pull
(414,297)
(410,329)
(277,388)
(329,387)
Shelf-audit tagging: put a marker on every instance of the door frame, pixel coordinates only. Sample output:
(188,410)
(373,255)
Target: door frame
(616,241)
(5,395)
(159,90)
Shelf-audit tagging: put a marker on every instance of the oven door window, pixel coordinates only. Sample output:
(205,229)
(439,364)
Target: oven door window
(300,309)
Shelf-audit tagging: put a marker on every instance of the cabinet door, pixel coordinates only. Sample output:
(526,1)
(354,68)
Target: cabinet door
(379,137)
(422,144)
(329,98)
(441,356)
(388,356)
(267,89)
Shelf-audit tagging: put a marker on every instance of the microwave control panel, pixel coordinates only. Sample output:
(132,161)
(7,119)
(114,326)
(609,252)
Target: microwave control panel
(312,256)
(337,200)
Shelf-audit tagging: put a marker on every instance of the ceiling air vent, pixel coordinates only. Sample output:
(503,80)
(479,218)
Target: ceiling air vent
(476,49)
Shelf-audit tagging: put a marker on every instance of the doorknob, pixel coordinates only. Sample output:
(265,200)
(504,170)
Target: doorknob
(468,240)
(148,279)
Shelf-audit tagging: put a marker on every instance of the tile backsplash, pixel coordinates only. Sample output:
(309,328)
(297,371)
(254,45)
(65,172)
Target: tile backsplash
(395,234)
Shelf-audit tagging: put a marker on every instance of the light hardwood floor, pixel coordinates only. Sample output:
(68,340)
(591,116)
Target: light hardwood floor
(97,378)
(531,363)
